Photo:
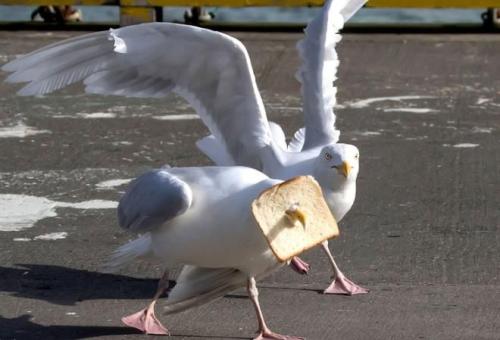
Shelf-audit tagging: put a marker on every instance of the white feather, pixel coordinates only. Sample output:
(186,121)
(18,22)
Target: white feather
(217,152)
(319,68)
(196,286)
(209,69)
(278,135)
(128,253)
(297,141)
(214,150)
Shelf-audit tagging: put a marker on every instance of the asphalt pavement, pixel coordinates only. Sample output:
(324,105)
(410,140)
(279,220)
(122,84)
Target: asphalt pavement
(423,235)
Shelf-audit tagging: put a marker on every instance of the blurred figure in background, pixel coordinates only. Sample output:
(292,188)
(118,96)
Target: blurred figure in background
(197,15)
(58,14)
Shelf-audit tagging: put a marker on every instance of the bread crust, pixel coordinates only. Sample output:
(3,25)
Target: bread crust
(288,237)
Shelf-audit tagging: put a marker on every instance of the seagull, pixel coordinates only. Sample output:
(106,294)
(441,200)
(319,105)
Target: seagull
(213,72)
(317,141)
(199,217)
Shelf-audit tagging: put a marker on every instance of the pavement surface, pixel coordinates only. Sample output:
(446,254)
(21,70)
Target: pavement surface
(423,235)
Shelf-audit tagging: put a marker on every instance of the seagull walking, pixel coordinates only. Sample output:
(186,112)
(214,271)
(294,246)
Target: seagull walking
(314,146)
(201,218)
(213,72)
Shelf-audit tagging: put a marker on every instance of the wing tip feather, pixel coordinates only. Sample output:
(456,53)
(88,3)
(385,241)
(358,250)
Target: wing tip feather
(119,44)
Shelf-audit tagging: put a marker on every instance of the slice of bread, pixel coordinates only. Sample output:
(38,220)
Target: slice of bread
(286,235)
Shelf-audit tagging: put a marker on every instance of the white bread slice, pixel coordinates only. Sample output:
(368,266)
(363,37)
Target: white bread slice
(288,237)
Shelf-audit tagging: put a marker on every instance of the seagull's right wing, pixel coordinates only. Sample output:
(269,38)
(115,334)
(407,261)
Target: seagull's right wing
(153,199)
(209,69)
(318,71)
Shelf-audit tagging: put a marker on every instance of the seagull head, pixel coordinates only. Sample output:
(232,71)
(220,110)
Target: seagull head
(337,164)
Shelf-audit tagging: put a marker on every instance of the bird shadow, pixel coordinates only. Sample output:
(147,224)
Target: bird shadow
(68,286)
(22,327)
(302,289)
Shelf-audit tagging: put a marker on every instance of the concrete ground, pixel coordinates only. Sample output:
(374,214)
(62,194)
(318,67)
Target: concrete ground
(423,235)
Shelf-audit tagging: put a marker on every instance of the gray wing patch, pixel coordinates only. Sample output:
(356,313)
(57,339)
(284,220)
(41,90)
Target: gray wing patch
(152,199)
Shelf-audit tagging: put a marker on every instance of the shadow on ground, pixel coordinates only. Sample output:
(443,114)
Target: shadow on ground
(68,286)
(23,327)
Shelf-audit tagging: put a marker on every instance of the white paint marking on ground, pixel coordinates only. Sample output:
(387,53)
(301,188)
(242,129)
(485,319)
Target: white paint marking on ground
(63,116)
(18,212)
(37,35)
(465,145)
(481,130)
(124,142)
(482,100)
(119,108)
(92,204)
(22,239)
(97,115)
(20,130)
(416,138)
(112,183)
(93,115)
(71,313)
(186,116)
(367,102)
(52,236)
(286,108)
(368,133)
(416,110)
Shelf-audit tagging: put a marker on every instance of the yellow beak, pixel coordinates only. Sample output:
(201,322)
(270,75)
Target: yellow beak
(345,168)
(294,213)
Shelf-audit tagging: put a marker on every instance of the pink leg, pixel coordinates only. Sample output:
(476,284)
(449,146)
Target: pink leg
(341,284)
(264,332)
(145,320)
(299,265)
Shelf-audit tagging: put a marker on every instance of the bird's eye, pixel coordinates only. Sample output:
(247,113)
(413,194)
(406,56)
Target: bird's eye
(357,156)
(328,156)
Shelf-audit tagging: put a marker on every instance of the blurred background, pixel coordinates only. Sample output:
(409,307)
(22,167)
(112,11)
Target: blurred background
(381,14)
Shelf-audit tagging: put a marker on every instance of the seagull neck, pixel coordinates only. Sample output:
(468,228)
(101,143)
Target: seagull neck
(334,186)
(340,198)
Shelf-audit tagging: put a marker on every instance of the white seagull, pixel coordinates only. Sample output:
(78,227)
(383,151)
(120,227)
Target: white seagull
(311,145)
(199,217)
(213,72)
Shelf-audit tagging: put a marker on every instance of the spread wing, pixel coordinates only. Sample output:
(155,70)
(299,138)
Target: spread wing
(211,70)
(153,199)
(319,68)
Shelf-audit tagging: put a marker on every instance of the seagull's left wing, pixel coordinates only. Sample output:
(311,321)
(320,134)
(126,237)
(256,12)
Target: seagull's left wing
(319,68)
(211,70)
(153,199)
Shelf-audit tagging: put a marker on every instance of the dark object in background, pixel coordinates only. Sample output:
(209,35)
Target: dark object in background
(57,14)
(197,15)
(491,18)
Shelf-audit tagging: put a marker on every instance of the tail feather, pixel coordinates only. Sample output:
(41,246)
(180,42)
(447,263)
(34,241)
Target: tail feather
(127,253)
(196,286)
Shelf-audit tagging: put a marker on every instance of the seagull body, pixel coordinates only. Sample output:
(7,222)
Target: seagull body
(213,72)
(213,193)
(199,218)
